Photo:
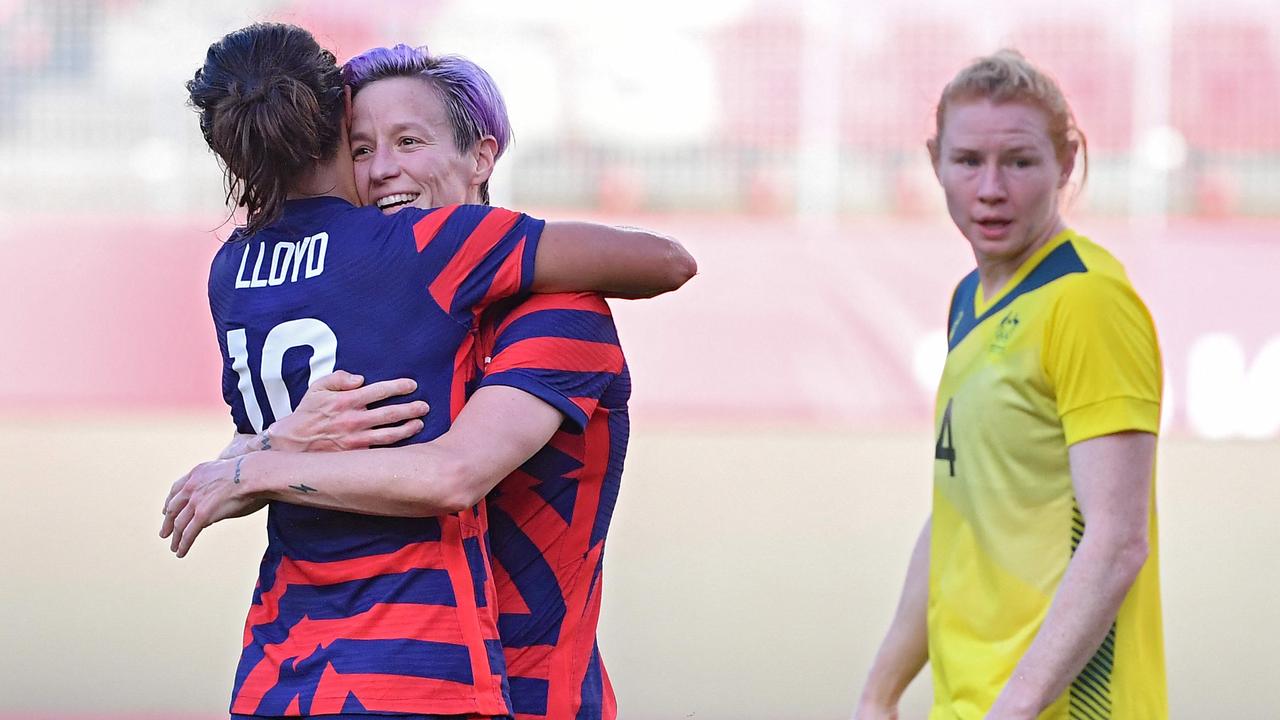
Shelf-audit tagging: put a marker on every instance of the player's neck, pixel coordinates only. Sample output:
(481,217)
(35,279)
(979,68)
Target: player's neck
(995,272)
(326,179)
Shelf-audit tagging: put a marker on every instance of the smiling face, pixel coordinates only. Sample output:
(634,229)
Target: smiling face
(1001,178)
(404,150)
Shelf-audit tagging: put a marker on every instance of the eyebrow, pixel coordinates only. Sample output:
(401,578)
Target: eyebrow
(1012,150)
(408,125)
(394,129)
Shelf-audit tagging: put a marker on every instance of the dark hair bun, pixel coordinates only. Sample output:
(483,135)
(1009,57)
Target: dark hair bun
(270,103)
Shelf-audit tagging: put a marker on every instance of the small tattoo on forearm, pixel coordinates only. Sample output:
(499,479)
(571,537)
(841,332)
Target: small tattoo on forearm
(236,479)
(266,439)
(304,489)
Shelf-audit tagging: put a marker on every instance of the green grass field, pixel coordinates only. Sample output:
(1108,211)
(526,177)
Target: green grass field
(750,574)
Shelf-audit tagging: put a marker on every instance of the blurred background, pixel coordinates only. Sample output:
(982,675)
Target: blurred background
(782,449)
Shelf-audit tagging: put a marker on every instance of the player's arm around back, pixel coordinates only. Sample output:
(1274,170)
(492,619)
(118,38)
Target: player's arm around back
(498,430)
(615,261)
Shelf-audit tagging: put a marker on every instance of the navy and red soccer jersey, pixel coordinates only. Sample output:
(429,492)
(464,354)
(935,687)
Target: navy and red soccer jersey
(357,614)
(548,520)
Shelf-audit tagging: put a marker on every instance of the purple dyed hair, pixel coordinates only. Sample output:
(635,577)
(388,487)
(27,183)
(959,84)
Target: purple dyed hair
(474,104)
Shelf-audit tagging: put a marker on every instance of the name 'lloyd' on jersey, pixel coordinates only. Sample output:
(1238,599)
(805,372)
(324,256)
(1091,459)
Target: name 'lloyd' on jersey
(288,260)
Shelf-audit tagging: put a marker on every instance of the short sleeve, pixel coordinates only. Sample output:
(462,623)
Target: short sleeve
(476,255)
(562,349)
(1103,360)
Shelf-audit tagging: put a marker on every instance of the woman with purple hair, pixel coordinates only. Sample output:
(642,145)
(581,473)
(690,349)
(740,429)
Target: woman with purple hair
(427,130)
(468,98)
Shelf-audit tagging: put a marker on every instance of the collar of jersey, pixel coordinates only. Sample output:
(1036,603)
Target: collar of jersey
(317,202)
(981,304)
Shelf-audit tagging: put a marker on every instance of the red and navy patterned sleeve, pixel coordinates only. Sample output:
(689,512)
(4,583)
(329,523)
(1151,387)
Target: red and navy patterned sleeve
(475,255)
(561,348)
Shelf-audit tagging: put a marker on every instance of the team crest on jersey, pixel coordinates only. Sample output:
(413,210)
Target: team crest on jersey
(1008,326)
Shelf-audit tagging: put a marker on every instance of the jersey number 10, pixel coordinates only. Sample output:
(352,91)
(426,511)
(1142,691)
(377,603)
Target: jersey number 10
(284,337)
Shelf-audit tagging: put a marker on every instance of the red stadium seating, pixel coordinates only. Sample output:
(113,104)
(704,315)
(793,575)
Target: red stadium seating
(1226,91)
(1094,69)
(759,63)
(890,93)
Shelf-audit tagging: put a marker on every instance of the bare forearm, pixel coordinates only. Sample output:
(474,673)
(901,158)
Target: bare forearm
(413,481)
(677,268)
(1085,606)
(614,261)
(498,430)
(905,648)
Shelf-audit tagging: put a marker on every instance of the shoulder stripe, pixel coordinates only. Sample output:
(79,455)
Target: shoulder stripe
(426,229)
(508,276)
(1063,261)
(471,254)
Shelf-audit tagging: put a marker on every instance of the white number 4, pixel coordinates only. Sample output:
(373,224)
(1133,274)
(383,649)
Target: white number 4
(307,332)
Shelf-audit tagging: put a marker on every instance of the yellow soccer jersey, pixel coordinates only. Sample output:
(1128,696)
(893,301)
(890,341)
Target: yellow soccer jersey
(1066,352)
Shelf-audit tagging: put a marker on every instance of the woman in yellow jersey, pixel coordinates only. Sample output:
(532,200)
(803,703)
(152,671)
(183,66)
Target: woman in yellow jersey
(1033,590)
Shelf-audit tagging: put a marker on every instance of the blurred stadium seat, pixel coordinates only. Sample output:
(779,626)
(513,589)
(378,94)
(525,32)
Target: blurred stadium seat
(1095,70)
(1227,85)
(759,61)
(890,91)
(72,68)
